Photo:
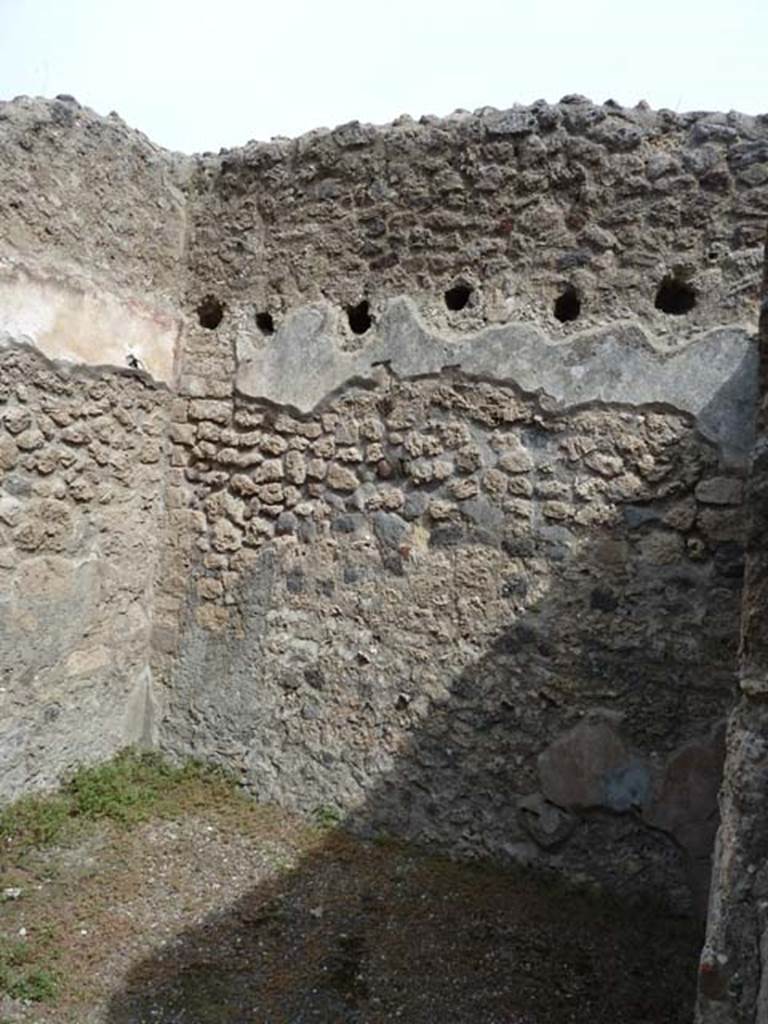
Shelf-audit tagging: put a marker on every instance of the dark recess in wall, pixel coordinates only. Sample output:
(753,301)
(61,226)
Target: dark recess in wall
(359,317)
(567,305)
(458,296)
(265,323)
(675,297)
(210,312)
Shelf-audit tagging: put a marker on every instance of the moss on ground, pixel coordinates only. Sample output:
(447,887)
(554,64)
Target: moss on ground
(129,789)
(132,788)
(20,975)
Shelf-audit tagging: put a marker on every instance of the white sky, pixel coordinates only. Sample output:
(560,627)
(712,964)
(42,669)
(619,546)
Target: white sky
(200,75)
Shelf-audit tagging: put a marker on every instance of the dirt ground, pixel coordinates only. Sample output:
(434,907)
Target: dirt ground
(227,912)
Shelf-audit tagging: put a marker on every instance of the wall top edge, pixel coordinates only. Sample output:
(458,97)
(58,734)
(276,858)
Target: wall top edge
(624,127)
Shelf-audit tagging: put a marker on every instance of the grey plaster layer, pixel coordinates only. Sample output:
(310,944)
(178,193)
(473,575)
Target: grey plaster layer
(712,379)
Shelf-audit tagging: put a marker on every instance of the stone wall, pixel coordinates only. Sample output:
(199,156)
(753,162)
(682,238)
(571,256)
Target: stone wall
(447,536)
(82,464)
(92,226)
(733,976)
(450,613)
(518,205)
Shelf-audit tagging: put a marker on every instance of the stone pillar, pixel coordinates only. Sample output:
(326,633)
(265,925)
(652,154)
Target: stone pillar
(733,973)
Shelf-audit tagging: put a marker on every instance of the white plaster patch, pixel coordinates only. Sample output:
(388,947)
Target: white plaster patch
(72,324)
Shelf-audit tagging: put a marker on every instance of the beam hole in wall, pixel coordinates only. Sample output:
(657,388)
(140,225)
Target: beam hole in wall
(265,323)
(567,305)
(210,312)
(458,296)
(675,297)
(359,317)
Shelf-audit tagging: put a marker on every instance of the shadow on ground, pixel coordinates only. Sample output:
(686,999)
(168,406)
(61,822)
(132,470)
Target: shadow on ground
(364,933)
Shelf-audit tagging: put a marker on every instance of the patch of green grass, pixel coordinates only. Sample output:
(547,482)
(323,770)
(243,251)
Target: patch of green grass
(125,789)
(37,820)
(327,816)
(20,978)
(128,789)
